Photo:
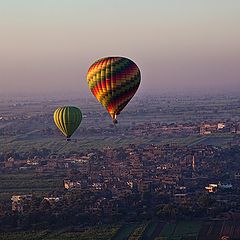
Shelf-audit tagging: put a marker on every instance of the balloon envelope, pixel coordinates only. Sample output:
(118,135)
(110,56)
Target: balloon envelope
(67,119)
(114,81)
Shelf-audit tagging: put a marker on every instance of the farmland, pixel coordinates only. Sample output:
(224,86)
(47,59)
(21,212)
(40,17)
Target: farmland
(30,125)
(23,183)
(35,159)
(154,230)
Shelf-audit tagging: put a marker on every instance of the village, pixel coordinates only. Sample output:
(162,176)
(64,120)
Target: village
(165,174)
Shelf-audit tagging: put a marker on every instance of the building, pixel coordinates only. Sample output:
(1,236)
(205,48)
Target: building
(237,176)
(225,185)
(211,188)
(208,128)
(20,202)
(68,184)
(180,198)
(52,200)
(220,125)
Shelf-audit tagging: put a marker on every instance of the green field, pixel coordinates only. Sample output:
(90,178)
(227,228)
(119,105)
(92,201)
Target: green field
(96,130)
(154,230)
(25,183)
(98,233)
(125,231)
(59,145)
(179,230)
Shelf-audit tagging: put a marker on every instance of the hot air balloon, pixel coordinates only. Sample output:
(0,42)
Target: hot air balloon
(114,81)
(67,119)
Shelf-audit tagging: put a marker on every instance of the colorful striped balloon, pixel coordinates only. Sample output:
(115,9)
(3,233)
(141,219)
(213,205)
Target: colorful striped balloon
(67,119)
(114,81)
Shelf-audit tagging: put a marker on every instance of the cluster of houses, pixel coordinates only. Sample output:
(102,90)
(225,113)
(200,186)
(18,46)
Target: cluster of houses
(205,128)
(180,173)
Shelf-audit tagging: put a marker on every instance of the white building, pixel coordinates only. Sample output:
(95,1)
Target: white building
(20,202)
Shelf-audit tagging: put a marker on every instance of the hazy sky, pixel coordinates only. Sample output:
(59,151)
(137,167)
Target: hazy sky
(48,45)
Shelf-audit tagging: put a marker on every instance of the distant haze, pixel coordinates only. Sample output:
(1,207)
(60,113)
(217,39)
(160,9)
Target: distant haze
(47,46)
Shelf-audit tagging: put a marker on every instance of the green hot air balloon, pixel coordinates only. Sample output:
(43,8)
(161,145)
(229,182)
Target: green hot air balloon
(67,119)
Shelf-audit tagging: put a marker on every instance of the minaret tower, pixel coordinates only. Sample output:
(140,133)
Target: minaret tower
(193,163)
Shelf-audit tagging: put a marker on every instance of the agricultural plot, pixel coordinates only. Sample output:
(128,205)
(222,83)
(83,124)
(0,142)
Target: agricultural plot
(180,230)
(187,228)
(138,232)
(25,134)
(59,145)
(217,230)
(98,233)
(167,231)
(125,231)
(150,230)
(25,183)
(23,235)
